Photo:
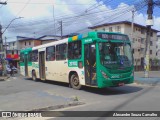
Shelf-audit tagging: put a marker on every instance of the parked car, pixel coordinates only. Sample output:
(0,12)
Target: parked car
(8,69)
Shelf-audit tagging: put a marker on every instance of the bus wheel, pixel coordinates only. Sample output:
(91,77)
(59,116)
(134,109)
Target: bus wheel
(34,76)
(74,82)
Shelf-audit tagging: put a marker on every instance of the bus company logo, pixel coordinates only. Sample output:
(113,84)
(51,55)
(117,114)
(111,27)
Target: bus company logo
(73,64)
(115,76)
(88,40)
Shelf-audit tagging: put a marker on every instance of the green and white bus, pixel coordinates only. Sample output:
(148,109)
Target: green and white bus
(97,59)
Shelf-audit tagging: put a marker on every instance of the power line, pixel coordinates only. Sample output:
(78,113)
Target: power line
(23,7)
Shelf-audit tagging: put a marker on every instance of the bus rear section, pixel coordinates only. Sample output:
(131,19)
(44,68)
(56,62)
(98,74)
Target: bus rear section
(25,62)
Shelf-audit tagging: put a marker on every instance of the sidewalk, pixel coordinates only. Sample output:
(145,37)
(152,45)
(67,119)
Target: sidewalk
(3,78)
(153,79)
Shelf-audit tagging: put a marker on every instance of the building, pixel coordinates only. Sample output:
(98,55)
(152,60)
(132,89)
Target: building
(12,52)
(138,38)
(158,47)
(13,48)
(25,42)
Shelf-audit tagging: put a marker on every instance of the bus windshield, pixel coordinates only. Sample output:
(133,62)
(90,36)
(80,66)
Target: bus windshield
(115,55)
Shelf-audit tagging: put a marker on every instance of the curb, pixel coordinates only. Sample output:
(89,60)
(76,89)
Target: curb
(150,81)
(59,106)
(3,78)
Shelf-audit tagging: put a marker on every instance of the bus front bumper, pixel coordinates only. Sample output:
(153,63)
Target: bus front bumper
(116,82)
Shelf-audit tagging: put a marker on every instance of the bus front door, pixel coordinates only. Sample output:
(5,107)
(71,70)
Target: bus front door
(42,65)
(26,64)
(90,64)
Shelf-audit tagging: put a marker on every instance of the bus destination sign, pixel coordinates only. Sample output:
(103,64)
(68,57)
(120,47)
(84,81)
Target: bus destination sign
(112,36)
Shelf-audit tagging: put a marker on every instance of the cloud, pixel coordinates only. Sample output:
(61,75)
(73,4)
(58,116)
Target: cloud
(38,16)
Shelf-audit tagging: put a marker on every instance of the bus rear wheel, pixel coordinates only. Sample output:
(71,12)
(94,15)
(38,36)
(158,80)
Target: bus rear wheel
(74,82)
(34,76)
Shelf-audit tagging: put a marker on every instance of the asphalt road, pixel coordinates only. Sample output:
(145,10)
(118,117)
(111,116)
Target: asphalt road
(18,93)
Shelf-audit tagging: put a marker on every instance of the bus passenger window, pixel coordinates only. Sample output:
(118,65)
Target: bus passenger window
(74,50)
(34,56)
(50,53)
(61,52)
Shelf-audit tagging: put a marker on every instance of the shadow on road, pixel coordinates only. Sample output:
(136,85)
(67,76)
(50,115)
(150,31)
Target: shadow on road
(101,91)
(113,90)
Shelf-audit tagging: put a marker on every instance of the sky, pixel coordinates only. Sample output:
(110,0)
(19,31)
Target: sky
(42,17)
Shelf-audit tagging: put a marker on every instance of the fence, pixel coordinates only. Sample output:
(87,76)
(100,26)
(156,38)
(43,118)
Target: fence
(152,68)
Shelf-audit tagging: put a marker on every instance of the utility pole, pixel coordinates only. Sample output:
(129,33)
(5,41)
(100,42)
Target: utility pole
(2,53)
(54,20)
(5,49)
(61,24)
(2,57)
(1,41)
(149,23)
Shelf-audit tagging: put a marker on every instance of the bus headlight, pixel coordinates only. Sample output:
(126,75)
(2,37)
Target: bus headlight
(104,74)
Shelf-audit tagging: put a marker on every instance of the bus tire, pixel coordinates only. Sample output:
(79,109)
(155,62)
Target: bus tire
(74,82)
(34,76)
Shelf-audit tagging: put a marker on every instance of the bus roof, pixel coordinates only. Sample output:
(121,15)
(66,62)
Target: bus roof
(51,43)
(92,34)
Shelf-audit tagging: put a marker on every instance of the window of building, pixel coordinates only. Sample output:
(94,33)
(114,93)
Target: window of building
(151,34)
(29,42)
(133,40)
(74,50)
(139,29)
(9,51)
(25,43)
(151,43)
(150,51)
(34,56)
(13,43)
(12,52)
(156,53)
(133,51)
(143,31)
(50,53)
(142,50)
(138,50)
(142,40)
(118,28)
(61,52)
(110,29)
(142,61)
